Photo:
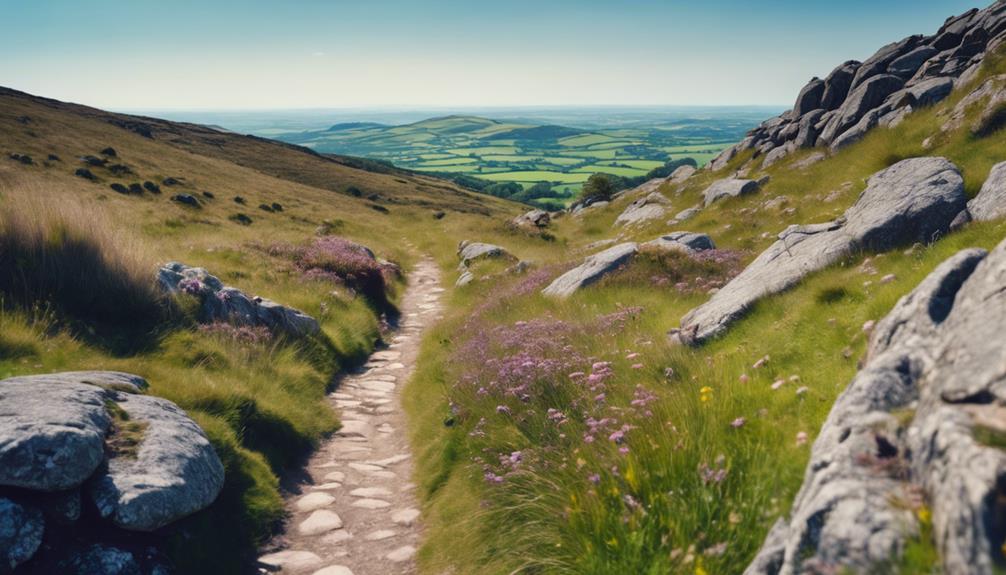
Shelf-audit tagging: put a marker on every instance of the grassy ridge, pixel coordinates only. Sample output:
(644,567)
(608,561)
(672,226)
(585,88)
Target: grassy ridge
(609,451)
(261,399)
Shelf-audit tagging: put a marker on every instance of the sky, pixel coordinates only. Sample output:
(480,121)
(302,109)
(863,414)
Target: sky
(229,55)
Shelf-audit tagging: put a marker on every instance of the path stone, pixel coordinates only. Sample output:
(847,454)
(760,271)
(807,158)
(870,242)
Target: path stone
(357,492)
(334,570)
(291,560)
(320,521)
(403,553)
(370,492)
(313,501)
(371,503)
(405,516)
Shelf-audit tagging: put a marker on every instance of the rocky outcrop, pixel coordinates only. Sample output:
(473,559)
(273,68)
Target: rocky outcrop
(990,203)
(904,76)
(684,216)
(653,206)
(592,269)
(471,252)
(687,242)
(535,219)
(21,528)
(909,431)
(143,462)
(174,473)
(52,435)
(728,188)
(231,305)
(912,201)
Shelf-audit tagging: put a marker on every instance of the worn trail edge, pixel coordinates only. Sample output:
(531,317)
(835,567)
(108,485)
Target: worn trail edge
(354,511)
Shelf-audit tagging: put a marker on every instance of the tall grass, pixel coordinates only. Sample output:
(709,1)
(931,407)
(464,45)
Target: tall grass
(59,253)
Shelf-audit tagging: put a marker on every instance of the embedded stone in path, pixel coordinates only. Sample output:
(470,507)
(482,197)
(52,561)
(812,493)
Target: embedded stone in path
(371,503)
(401,554)
(334,570)
(380,535)
(370,492)
(291,560)
(336,476)
(405,517)
(364,467)
(391,460)
(319,522)
(326,486)
(337,537)
(313,501)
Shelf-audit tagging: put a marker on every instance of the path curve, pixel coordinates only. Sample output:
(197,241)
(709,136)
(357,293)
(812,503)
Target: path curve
(355,513)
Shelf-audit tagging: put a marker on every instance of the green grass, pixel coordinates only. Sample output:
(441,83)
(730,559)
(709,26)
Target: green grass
(572,506)
(537,176)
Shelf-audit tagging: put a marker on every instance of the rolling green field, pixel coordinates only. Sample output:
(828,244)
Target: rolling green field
(523,152)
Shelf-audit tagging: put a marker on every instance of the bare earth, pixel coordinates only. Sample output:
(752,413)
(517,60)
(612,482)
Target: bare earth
(354,512)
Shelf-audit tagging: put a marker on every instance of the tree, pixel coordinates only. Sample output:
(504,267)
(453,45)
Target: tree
(600,187)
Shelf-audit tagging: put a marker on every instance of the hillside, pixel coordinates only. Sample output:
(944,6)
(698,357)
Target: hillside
(81,258)
(786,361)
(517,151)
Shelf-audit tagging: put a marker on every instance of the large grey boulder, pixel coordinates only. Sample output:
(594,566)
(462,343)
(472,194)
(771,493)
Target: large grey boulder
(469,252)
(681,174)
(534,219)
(52,432)
(906,66)
(684,215)
(990,203)
(723,158)
(837,84)
(877,64)
(231,305)
(687,242)
(728,188)
(173,473)
(809,98)
(807,131)
(862,100)
(653,206)
(856,132)
(102,559)
(592,269)
(846,515)
(21,530)
(914,200)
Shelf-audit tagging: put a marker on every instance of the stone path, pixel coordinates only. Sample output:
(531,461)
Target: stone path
(355,512)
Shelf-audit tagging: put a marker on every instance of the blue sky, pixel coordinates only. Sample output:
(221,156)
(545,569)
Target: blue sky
(208,54)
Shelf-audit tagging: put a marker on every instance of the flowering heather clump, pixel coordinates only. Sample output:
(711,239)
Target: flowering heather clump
(532,377)
(341,261)
(242,334)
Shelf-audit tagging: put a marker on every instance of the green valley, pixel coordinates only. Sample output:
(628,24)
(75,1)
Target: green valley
(531,150)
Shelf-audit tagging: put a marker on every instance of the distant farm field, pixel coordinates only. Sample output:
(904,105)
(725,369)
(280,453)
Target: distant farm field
(527,153)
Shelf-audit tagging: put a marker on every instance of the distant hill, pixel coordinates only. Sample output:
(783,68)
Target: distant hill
(523,152)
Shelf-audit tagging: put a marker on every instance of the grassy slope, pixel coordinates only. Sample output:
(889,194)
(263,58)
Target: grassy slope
(261,403)
(656,509)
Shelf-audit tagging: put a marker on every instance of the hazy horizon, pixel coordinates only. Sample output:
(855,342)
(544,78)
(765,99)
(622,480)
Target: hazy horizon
(247,56)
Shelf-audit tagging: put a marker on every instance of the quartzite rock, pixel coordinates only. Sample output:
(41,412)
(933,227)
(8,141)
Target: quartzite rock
(593,268)
(174,472)
(914,200)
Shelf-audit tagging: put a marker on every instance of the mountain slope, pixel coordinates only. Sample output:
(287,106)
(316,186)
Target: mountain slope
(251,208)
(631,453)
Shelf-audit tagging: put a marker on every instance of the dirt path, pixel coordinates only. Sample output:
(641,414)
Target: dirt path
(356,513)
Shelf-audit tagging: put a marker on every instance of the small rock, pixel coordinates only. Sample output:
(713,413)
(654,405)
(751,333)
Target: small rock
(405,517)
(320,521)
(401,554)
(313,501)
